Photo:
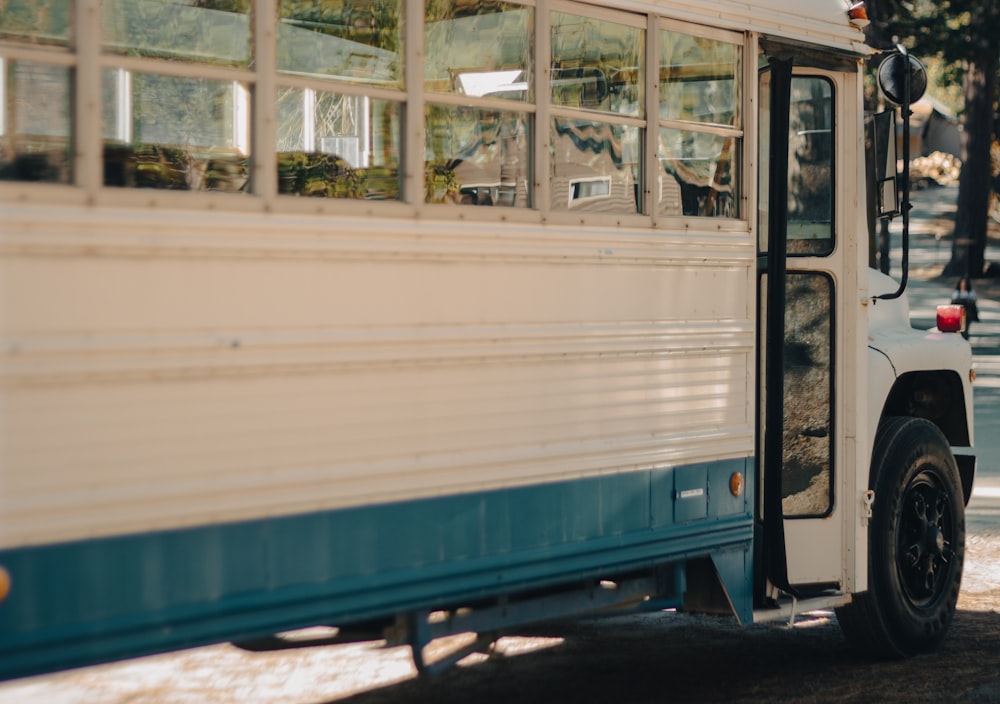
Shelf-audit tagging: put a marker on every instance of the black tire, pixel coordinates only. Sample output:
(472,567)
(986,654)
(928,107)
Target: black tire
(916,543)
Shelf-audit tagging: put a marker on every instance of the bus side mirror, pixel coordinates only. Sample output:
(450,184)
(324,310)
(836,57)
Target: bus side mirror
(903,81)
(886,189)
(892,78)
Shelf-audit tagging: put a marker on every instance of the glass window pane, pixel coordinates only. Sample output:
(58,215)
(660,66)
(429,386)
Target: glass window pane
(338,146)
(477,157)
(175,133)
(808,453)
(480,48)
(354,41)
(597,65)
(209,31)
(595,166)
(700,174)
(35,122)
(44,21)
(699,80)
(810,167)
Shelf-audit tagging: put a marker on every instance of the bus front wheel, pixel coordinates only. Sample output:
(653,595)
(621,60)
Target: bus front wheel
(916,543)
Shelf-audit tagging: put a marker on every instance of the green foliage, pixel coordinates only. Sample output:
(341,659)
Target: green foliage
(956,30)
(962,36)
(320,175)
(375,23)
(44,20)
(440,182)
(211,31)
(944,82)
(947,36)
(238,6)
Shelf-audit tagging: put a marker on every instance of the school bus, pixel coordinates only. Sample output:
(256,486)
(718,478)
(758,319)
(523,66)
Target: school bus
(413,318)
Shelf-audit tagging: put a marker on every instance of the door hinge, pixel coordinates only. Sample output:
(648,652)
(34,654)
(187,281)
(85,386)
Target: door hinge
(867,499)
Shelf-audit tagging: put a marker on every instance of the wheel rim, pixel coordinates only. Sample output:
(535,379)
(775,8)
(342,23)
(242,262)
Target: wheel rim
(925,539)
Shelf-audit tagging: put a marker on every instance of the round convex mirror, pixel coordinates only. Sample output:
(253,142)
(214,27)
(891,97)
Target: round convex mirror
(892,78)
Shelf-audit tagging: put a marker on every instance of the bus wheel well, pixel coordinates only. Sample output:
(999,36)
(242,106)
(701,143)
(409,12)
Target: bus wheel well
(936,396)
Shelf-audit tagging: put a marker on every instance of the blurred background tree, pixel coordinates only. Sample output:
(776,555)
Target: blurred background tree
(965,36)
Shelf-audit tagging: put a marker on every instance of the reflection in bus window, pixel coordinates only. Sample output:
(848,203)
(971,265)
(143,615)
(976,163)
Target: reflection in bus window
(810,167)
(177,77)
(206,31)
(479,48)
(596,165)
(699,79)
(807,485)
(352,41)
(338,146)
(175,133)
(700,126)
(477,157)
(41,21)
(597,65)
(698,173)
(34,122)
(585,151)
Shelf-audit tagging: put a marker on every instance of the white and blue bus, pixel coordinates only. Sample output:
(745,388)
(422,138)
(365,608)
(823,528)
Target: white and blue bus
(415,317)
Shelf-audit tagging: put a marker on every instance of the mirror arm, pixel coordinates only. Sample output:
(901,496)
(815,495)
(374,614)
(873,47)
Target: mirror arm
(904,206)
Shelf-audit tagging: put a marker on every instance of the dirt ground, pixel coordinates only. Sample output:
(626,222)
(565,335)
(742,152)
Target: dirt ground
(649,658)
(653,658)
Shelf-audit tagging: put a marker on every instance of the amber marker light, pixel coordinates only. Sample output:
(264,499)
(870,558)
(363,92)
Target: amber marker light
(4,583)
(858,15)
(736,483)
(951,318)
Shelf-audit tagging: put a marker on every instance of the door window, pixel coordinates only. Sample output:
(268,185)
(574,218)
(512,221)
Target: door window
(810,167)
(806,482)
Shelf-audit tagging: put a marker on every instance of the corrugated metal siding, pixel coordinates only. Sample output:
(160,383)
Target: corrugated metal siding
(189,377)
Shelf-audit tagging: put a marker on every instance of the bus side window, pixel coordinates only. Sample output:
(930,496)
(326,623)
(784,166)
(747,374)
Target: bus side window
(35,105)
(189,133)
(35,99)
(596,84)
(333,143)
(700,135)
(476,154)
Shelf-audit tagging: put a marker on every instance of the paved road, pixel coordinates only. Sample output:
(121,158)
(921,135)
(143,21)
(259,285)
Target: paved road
(929,252)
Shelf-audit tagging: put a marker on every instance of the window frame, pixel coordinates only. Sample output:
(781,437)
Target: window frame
(87,59)
(744,163)
(545,147)
(836,109)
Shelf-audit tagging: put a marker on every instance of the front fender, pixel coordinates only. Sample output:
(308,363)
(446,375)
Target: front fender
(925,375)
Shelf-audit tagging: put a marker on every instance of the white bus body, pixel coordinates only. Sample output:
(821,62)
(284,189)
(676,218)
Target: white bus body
(261,370)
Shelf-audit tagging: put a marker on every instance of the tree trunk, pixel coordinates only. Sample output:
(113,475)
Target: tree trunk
(968,247)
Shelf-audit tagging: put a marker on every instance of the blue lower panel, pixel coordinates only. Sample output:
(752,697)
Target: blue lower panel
(93,601)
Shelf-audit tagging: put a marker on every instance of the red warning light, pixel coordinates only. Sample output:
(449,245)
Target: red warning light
(951,318)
